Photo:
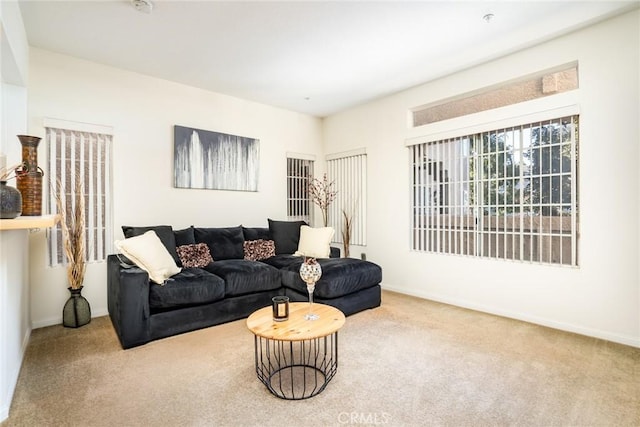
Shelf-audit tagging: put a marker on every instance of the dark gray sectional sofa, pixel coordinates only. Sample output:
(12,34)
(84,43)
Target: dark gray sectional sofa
(230,287)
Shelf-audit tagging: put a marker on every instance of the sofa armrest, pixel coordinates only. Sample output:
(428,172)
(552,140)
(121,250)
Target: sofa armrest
(335,252)
(128,302)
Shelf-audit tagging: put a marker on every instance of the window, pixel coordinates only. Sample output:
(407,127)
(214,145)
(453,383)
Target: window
(81,152)
(348,171)
(539,85)
(506,194)
(299,171)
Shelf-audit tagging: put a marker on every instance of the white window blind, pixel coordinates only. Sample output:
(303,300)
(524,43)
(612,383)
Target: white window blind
(299,172)
(348,171)
(508,193)
(77,151)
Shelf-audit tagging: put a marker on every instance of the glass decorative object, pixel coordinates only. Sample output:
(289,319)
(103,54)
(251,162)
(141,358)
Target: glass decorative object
(310,272)
(76,311)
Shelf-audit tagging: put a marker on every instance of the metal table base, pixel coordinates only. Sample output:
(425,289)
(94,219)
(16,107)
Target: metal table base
(296,370)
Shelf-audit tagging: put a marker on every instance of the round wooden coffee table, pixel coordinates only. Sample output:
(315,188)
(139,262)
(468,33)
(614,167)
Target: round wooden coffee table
(296,358)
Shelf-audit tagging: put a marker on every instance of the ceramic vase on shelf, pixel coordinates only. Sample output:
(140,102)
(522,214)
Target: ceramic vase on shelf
(76,311)
(10,201)
(310,272)
(29,176)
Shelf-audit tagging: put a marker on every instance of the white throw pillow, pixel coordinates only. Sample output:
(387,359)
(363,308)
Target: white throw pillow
(148,253)
(314,242)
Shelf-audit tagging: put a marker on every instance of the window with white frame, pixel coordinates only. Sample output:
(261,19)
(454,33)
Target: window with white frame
(507,193)
(299,172)
(78,151)
(348,171)
(545,83)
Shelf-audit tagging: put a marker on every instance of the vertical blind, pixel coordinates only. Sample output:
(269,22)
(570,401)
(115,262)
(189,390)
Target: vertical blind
(509,193)
(349,173)
(86,156)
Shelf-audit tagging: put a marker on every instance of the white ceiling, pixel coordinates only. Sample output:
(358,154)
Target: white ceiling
(312,57)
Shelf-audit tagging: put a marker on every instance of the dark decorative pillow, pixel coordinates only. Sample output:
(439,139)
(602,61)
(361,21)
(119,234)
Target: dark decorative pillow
(286,235)
(224,243)
(255,250)
(164,232)
(256,233)
(196,255)
(185,236)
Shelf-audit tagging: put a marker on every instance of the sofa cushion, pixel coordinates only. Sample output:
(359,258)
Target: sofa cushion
(224,243)
(340,276)
(314,242)
(164,232)
(242,276)
(256,233)
(256,250)
(286,235)
(196,255)
(185,236)
(191,286)
(148,253)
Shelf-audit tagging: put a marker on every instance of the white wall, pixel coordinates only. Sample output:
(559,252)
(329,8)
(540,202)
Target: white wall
(600,298)
(143,111)
(14,51)
(15,324)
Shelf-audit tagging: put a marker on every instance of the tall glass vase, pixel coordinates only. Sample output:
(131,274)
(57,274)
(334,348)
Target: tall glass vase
(76,311)
(310,272)
(29,176)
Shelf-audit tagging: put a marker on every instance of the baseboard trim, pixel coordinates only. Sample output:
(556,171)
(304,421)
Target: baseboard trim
(4,413)
(25,343)
(13,381)
(43,323)
(567,327)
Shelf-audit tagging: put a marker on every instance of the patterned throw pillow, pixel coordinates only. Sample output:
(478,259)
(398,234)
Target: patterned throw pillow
(196,255)
(255,250)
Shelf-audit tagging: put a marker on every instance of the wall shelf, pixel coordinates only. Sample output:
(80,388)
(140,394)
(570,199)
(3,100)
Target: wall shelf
(29,222)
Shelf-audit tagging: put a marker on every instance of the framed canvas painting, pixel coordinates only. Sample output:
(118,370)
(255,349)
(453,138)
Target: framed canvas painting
(214,160)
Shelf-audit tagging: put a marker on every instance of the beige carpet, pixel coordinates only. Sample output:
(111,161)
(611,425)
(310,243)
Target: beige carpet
(410,362)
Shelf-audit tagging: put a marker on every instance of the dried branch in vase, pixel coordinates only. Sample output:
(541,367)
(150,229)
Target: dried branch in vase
(73,233)
(346,232)
(322,193)
(5,172)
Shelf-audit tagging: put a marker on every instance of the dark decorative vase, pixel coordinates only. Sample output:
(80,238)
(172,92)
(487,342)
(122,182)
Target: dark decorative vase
(29,176)
(10,201)
(76,311)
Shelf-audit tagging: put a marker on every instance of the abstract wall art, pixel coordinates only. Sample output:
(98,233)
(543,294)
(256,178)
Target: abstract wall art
(214,160)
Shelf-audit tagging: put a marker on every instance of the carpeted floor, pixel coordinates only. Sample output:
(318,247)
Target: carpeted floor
(410,362)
